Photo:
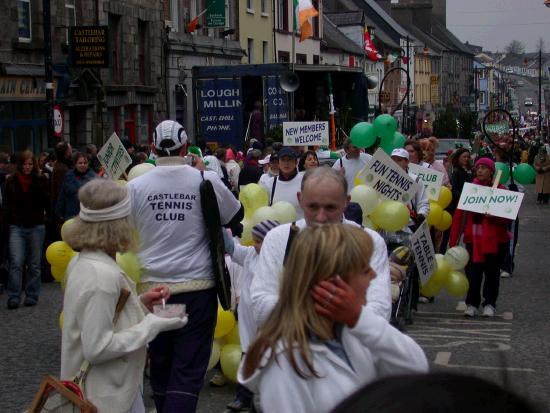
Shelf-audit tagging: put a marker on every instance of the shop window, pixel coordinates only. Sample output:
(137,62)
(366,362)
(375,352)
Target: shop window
(24,20)
(116,47)
(6,140)
(23,138)
(23,110)
(5,111)
(70,16)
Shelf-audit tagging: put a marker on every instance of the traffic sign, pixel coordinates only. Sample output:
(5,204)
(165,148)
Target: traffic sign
(57,121)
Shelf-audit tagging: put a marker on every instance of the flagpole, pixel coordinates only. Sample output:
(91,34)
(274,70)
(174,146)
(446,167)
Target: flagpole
(293,57)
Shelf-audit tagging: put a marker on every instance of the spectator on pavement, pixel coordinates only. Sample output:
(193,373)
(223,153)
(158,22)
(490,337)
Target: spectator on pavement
(321,342)
(351,163)
(67,200)
(116,353)
(542,166)
(462,173)
(252,171)
(25,208)
(62,165)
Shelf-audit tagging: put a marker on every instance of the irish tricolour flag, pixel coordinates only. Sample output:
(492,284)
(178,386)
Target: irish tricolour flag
(303,11)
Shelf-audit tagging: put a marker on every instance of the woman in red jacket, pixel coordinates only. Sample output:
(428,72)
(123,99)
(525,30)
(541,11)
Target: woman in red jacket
(486,238)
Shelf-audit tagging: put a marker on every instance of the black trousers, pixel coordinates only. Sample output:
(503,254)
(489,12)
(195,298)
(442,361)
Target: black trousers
(488,273)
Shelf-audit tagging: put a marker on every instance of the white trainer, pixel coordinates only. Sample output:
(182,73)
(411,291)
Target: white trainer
(488,311)
(505,274)
(470,311)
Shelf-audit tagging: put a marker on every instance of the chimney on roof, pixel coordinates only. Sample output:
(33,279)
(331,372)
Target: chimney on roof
(439,11)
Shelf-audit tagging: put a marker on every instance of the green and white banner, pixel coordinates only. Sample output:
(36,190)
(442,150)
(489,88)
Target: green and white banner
(431,179)
(215,13)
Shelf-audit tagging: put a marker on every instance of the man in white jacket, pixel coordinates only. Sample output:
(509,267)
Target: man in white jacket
(323,198)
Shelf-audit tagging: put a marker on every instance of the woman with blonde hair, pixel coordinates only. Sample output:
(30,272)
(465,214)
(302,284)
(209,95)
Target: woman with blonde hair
(429,146)
(309,356)
(115,353)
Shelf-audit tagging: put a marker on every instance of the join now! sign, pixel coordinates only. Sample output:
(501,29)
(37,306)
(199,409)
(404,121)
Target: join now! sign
(486,200)
(305,133)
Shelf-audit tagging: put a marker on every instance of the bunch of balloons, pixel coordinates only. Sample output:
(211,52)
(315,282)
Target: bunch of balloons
(226,347)
(523,173)
(448,274)
(254,199)
(59,254)
(438,217)
(139,170)
(384,127)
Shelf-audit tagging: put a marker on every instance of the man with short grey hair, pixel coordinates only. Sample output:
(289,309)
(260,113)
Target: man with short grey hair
(352,162)
(323,198)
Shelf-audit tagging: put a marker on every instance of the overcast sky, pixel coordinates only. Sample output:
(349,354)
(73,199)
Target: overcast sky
(494,23)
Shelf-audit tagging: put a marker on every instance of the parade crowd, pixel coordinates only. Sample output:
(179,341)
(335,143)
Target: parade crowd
(313,296)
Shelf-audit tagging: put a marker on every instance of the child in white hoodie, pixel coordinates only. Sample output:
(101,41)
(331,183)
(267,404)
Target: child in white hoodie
(247,257)
(311,353)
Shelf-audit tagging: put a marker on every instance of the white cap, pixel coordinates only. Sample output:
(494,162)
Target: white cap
(265,161)
(169,130)
(401,153)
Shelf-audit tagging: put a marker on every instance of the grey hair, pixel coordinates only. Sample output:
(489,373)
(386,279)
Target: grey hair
(325,172)
(108,236)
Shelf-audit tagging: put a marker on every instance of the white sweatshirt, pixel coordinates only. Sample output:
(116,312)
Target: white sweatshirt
(374,349)
(264,289)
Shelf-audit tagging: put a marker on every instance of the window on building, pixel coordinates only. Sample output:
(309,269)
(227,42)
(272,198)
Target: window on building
(282,15)
(250,6)
(316,59)
(143,52)
(483,98)
(24,20)
(263,6)
(115,39)
(265,52)
(301,59)
(315,21)
(70,16)
(283,57)
(250,50)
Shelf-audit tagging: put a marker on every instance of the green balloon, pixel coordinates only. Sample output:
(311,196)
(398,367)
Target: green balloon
(501,166)
(398,140)
(334,155)
(385,127)
(196,150)
(151,161)
(387,146)
(524,173)
(362,135)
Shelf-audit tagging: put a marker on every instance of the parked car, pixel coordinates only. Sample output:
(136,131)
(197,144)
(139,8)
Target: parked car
(447,144)
(528,102)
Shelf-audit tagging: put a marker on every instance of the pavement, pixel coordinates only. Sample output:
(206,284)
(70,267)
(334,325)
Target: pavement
(510,349)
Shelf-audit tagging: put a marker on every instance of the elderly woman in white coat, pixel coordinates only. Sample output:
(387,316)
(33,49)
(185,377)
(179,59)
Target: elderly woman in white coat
(312,352)
(115,352)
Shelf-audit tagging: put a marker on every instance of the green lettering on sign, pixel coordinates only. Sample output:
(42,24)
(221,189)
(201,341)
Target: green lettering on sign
(215,13)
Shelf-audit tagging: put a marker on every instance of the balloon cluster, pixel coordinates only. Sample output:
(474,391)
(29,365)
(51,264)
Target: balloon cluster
(254,199)
(378,214)
(523,173)
(59,254)
(384,127)
(226,347)
(448,274)
(438,217)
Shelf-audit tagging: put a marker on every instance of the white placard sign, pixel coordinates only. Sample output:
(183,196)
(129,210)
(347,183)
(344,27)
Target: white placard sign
(305,133)
(431,179)
(113,157)
(387,178)
(424,253)
(485,199)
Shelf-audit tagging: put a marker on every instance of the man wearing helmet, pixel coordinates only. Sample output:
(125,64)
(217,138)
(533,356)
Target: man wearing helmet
(174,250)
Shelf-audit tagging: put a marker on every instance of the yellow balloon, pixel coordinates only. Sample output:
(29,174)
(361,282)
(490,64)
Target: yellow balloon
(226,322)
(61,320)
(214,355)
(445,197)
(252,196)
(442,270)
(366,197)
(246,237)
(445,222)
(59,254)
(263,214)
(435,214)
(233,336)
(457,257)
(140,169)
(284,212)
(390,216)
(65,227)
(129,263)
(122,182)
(230,359)
(457,284)
(58,273)
(430,289)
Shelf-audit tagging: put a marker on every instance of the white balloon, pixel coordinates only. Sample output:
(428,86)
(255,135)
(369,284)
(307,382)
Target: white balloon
(457,257)
(262,214)
(366,197)
(139,170)
(284,211)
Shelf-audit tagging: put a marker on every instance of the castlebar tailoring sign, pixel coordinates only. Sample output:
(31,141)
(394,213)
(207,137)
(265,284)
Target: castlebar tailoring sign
(89,46)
